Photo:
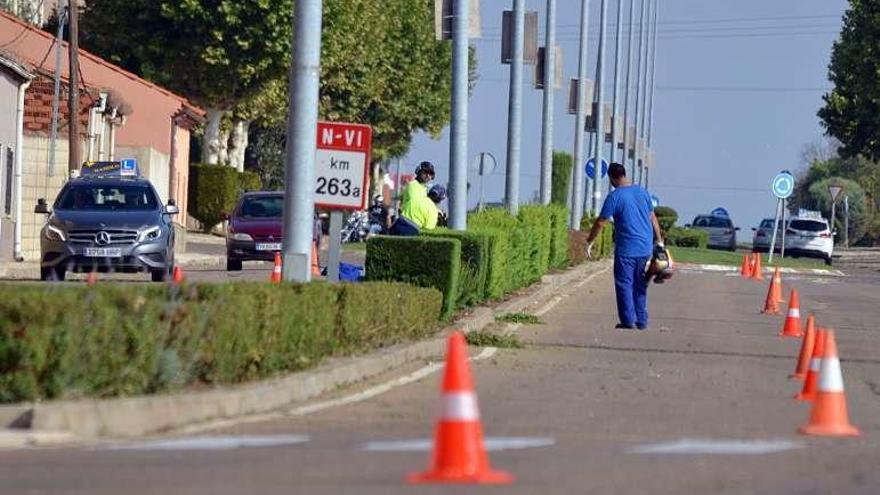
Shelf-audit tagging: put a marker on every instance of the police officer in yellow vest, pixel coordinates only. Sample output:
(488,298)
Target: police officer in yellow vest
(417,211)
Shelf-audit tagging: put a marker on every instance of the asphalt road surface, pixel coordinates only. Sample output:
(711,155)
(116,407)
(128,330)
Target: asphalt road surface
(699,404)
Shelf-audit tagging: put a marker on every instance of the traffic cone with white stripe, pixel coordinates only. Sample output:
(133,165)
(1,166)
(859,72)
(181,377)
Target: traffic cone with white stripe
(745,270)
(276,270)
(757,271)
(792,326)
(809,390)
(777,282)
(829,416)
(771,305)
(800,371)
(459,454)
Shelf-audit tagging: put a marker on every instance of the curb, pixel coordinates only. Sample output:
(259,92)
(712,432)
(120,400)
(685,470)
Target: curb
(138,416)
(31,269)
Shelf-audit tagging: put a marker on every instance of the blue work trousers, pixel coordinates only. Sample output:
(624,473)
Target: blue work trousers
(631,287)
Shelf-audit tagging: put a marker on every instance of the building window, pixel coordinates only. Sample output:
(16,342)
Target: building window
(7,200)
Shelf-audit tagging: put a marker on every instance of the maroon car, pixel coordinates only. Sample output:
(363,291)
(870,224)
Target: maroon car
(254,231)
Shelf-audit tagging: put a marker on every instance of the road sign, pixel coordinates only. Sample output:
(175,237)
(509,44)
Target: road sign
(342,166)
(834,190)
(655,201)
(128,167)
(720,212)
(590,168)
(783,185)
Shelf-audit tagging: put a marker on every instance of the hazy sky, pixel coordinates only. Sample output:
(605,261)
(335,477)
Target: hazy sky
(738,87)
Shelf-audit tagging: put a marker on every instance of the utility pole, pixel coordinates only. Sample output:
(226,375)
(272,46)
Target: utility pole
(56,97)
(599,114)
(549,89)
(644,91)
(514,109)
(302,130)
(74,161)
(458,132)
(650,141)
(639,82)
(628,83)
(615,106)
(580,121)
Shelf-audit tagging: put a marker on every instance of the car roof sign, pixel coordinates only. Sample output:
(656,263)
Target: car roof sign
(122,168)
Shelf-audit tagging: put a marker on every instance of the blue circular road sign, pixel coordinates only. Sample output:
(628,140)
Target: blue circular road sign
(783,185)
(590,168)
(655,201)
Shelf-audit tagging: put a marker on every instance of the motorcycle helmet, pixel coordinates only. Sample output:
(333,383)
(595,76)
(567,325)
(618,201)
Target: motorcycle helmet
(426,167)
(437,193)
(378,199)
(661,266)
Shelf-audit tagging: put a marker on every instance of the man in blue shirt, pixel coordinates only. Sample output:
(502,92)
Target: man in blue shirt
(636,232)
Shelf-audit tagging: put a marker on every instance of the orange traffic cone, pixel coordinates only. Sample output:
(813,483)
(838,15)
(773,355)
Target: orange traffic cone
(459,454)
(276,270)
(792,326)
(757,271)
(745,270)
(777,279)
(800,371)
(809,390)
(91,279)
(771,305)
(316,269)
(177,275)
(829,416)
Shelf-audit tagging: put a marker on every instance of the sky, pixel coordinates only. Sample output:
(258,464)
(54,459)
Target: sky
(738,88)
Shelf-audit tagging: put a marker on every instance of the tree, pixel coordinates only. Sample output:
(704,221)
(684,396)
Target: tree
(852,109)
(27,10)
(561,179)
(859,218)
(217,53)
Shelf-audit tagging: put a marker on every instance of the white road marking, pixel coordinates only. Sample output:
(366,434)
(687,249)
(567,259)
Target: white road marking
(493,444)
(213,443)
(717,447)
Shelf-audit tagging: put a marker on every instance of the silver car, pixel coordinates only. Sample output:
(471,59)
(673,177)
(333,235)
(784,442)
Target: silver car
(764,236)
(722,233)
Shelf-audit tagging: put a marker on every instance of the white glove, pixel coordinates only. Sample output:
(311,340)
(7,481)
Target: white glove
(590,251)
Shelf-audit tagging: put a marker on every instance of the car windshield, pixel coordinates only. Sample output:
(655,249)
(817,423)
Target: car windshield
(808,225)
(262,207)
(101,197)
(767,224)
(717,222)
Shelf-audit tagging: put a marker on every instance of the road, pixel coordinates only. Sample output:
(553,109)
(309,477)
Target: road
(710,369)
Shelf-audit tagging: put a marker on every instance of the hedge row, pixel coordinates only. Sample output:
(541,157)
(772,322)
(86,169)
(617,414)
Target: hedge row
(214,190)
(498,254)
(603,246)
(115,340)
(681,237)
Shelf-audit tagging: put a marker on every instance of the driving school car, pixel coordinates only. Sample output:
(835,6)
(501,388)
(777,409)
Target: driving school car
(107,220)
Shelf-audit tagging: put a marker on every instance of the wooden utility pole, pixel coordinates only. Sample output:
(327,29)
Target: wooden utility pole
(75,159)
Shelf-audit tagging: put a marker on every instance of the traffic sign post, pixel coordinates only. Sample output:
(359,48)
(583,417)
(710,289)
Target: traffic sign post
(483,162)
(342,173)
(590,168)
(834,191)
(782,187)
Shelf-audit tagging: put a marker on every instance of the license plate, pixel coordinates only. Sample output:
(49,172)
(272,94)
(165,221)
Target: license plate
(103,252)
(268,246)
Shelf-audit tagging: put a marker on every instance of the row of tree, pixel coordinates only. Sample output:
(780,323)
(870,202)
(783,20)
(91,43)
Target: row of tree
(380,65)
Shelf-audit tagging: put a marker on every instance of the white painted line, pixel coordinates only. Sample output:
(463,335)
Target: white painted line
(717,447)
(493,444)
(382,388)
(213,443)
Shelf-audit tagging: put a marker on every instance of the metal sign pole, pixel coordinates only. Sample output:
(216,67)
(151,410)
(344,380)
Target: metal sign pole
(846,221)
(335,253)
(775,229)
(784,228)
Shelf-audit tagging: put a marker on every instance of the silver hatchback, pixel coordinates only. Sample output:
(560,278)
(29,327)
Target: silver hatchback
(722,233)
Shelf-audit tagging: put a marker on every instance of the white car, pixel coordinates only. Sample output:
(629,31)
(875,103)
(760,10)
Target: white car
(809,235)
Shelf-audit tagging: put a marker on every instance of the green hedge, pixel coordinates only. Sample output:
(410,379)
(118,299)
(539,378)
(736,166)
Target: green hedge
(474,266)
(521,245)
(214,190)
(561,180)
(603,246)
(558,236)
(682,237)
(666,217)
(117,340)
(538,220)
(496,266)
(421,261)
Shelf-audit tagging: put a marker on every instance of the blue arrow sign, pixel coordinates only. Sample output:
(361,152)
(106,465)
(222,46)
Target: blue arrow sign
(783,185)
(655,201)
(590,168)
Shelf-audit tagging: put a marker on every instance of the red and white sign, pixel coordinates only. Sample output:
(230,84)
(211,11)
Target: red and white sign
(342,165)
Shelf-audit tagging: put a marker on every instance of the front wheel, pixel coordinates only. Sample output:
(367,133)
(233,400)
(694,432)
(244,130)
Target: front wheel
(161,275)
(233,265)
(828,261)
(53,274)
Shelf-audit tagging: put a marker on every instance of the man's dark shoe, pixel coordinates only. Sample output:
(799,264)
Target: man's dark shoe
(621,326)
(642,327)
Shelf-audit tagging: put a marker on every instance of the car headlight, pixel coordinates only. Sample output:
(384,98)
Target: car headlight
(150,234)
(241,236)
(54,234)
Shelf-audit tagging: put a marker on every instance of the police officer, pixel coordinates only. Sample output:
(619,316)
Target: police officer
(636,231)
(417,211)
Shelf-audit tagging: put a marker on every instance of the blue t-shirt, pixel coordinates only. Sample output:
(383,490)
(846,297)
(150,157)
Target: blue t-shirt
(630,207)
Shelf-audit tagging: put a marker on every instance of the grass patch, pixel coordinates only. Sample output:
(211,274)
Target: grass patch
(486,339)
(521,318)
(716,257)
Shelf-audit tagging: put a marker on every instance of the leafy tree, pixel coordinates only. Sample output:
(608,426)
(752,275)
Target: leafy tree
(216,52)
(561,180)
(859,218)
(852,109)
(666,217)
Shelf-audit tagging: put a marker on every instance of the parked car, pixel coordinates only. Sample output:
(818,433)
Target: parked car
(107,223)
(764,236)
(254,230)
(809,235)
(722,233)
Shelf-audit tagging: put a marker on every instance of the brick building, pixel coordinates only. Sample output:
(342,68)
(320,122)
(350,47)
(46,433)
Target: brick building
(121,116)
